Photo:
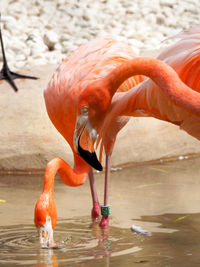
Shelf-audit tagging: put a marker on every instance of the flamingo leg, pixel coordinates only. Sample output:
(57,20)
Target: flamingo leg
(6,73)
(96,206)
(105,209)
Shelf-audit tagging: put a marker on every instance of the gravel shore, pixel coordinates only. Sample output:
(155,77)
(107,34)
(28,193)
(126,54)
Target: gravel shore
(39,32)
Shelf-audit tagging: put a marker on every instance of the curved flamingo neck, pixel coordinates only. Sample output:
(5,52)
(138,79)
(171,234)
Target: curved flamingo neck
(163,75)
(69,176)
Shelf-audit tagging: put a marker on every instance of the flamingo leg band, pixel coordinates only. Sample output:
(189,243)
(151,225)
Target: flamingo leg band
(105,210)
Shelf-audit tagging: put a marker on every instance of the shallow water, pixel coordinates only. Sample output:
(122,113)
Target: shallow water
(164,199)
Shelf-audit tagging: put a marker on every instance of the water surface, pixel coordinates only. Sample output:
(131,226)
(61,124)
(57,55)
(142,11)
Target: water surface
(164,199)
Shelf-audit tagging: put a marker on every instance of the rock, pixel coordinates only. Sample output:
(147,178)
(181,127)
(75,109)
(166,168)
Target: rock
(50,39)
(151,18)
(169,3)
(19,64)
(65,37)
(20,57)
(160,19)
(8,19)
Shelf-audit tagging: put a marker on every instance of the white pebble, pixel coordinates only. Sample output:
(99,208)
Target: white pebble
(50,39)
(19,64)
(168,2)
(20,57)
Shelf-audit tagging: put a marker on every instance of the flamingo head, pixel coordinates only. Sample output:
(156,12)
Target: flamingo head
(45,220)
(93,104)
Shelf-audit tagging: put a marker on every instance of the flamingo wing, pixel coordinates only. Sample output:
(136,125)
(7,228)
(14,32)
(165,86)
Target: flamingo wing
(87,64)
(184,57)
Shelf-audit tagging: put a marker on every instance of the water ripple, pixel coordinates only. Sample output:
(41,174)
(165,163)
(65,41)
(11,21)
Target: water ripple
(78,241)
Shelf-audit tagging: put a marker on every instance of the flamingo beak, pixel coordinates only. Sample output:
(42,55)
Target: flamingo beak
(46,235)
(84,138)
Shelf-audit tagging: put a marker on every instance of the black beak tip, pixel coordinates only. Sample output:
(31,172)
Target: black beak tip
(98,166)
(90,158)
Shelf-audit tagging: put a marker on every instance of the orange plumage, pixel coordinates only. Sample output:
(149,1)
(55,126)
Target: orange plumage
(181,105)
(81,71)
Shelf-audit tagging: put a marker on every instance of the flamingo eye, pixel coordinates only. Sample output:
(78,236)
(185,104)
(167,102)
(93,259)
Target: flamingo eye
(84,109)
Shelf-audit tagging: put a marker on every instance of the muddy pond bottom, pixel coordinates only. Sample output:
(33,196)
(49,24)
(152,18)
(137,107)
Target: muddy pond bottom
(163,199)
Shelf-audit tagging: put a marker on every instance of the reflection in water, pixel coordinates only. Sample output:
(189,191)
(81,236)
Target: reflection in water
(83,246)
(46,258)
(163,199)
(77,243)
(80,245)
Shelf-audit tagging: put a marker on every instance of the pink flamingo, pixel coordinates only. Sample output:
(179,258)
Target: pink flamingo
(88,65)
(147,98)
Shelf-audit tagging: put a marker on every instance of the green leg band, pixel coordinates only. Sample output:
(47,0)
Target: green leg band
(105,210)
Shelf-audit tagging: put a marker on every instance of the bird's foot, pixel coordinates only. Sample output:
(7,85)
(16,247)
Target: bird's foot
(9,76)
(104,221)
(95,211)
(105,212)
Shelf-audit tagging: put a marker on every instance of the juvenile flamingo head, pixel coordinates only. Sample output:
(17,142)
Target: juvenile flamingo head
(45,219)
(93,104)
